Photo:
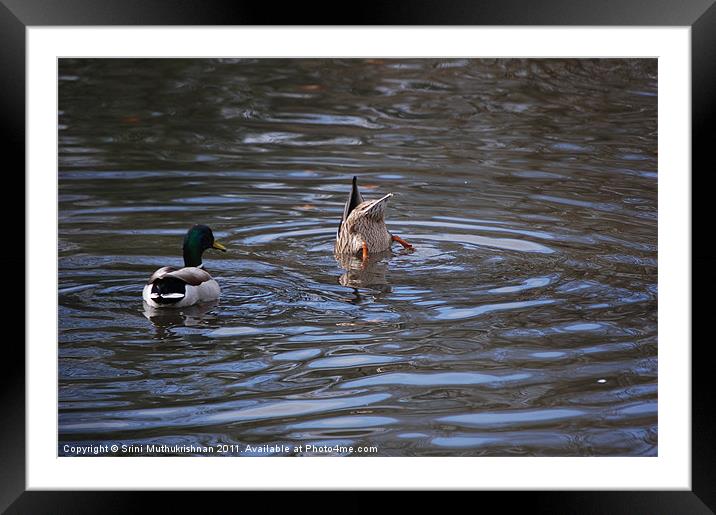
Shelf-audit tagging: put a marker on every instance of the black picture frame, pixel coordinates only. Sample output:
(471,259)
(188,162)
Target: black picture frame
(700,15)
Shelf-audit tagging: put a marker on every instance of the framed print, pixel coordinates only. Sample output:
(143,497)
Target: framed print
(440,251)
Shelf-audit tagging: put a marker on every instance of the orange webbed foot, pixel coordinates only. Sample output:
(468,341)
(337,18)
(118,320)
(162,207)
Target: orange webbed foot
(404,243)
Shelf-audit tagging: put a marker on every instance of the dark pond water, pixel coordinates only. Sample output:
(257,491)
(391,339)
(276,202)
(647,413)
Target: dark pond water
(524,323)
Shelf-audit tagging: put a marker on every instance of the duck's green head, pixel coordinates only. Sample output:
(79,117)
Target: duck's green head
(197,240)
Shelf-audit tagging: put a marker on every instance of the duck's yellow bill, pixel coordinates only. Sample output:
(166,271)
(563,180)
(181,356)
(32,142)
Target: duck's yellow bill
(218,246)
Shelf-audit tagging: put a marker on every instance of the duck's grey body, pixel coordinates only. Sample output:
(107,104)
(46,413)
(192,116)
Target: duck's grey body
(362,228)
(177,288)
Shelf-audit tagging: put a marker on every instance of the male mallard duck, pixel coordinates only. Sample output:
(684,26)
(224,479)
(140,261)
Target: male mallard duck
(362,228)
(170,287)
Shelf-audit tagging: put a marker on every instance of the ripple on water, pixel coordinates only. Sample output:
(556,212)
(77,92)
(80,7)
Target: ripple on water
(297,355)
(527,284)
(456,313)
(352,422)
(434,379)
(485,241)
(353,360)
(210,414)
(508,418)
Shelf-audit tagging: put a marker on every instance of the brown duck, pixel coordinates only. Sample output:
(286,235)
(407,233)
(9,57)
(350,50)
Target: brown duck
(362,230)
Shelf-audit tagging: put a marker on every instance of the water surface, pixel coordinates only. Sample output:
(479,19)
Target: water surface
(524,323)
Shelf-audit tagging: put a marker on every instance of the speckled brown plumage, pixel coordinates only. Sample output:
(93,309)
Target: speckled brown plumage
(362,229)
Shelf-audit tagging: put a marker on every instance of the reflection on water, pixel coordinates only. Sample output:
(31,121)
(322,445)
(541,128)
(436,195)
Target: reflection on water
(523,323)
(369,273)
(188,316)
